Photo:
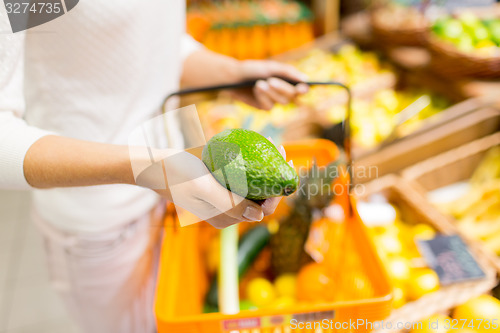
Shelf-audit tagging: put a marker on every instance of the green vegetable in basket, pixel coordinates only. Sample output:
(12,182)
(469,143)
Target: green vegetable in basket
(249,247)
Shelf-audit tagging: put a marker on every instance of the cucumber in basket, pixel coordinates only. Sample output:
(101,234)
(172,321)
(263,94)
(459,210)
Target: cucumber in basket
(249,247)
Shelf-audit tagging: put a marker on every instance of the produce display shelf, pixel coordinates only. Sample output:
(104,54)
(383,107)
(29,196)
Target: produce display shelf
(430,141)
(450,167)
(415,208)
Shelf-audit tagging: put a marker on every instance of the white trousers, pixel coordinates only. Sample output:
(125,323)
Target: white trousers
(107,281)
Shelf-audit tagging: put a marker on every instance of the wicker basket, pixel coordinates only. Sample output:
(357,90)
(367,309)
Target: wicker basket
(390,36)
(450,62)
(415,207)
(450,167)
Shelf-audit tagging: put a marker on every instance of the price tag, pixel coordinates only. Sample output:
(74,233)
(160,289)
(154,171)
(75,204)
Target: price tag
(232,325)
(451,259)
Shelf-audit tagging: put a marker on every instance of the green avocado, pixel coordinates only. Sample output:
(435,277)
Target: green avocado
(248,164)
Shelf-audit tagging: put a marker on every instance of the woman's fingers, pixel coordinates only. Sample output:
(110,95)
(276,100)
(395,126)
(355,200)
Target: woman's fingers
(229,203)
(248,98)
(275,90)
(302,88)
(269,205)
(261,92)
(286,71)
(222,221)
(282,151)
(283,88)
(278,70)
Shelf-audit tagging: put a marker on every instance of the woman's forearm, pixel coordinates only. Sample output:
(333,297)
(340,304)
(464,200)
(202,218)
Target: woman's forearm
(204,67)
(55,161)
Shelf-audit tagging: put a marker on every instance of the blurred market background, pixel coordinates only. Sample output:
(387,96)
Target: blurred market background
(425,81)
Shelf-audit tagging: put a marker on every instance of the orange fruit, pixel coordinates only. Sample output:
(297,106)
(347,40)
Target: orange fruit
(485,308)
(312,283)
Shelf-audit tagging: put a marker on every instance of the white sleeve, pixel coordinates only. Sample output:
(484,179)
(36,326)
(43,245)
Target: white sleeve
(188,46)
(16,137)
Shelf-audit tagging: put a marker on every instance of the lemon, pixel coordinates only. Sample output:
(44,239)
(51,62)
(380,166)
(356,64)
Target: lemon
(398,297)
(485,44)
(399,269)
(389,243)
(260,292)
(424,231)
(433,324)
(422,281)
(485,308)
(286,285)
(281,303)
(462,330)
(387,99)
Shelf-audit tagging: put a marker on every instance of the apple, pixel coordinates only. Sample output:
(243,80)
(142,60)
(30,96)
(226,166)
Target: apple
(494,28)
(452,29)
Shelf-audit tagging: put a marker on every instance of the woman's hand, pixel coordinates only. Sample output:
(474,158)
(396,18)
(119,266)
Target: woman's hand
(183,179)
(206,68)
(273,90)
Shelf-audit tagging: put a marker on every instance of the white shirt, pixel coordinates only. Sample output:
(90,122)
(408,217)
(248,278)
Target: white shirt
(94,74)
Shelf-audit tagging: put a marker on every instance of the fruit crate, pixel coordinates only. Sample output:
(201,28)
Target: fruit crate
(332,43)
(451,167)
(183,280)
(389,35)
(459,125)
(401,134)
(414,208)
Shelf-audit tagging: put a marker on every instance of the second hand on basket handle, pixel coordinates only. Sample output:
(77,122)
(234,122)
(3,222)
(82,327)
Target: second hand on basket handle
(251,83)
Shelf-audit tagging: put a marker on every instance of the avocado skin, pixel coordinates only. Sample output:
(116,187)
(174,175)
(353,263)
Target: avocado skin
(248,164)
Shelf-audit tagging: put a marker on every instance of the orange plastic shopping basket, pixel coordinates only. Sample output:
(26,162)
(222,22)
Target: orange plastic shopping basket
(183,278)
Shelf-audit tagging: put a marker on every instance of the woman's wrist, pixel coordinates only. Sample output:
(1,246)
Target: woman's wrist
(204,68)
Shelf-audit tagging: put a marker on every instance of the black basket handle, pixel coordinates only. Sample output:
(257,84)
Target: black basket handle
(346,128)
